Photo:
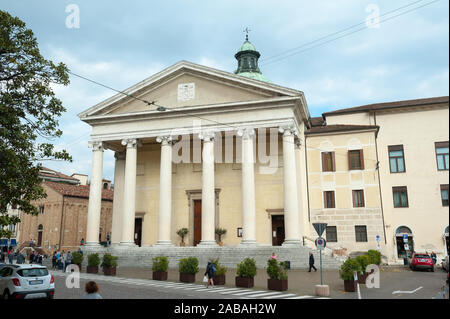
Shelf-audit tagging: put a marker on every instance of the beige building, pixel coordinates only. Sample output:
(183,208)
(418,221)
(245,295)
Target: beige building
(200,148)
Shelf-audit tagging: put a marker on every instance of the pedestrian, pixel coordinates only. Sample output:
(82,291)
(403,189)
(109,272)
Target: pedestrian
(68,260)
(210,271)
(91,289)
(82,242)
(54,259)
(10,256)
(108,239)
(273,256)
(61,262)
(20,258)
(32,257)
(311,262)
(433,257)
(80,251)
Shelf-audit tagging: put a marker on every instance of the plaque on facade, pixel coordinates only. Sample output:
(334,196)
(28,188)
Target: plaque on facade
(186,91)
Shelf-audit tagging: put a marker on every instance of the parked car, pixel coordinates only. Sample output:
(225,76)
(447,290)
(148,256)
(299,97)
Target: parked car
(26,281)
(421,261)
(445,264)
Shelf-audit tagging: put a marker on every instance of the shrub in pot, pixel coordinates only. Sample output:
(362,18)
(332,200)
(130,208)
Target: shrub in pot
(160,266)
(220,232)
(182,232)
(77,259)
(277,275)
(109,264)
(374,257)
(219,276)
(93,262)
(347,274)
(246,271)
(188,267)
(363,262)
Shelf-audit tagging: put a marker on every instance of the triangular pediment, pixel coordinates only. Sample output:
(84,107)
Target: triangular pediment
(186,84)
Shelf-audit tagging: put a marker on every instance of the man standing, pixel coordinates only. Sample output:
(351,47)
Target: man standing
(68,260)
(311,262)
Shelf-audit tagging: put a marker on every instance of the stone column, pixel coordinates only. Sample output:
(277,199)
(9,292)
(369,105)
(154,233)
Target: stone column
(248,188)
(208,191)
(291,216)
(95,195)
(129,194)
(165,192)
(119,178)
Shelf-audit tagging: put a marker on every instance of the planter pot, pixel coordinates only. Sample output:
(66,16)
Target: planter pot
(244,282)
(350,285)
(362,278)
(182,244)
(219,280)
(275,284)
(220,244)
(109,271)
(92,269)
(185,277)
(159,275)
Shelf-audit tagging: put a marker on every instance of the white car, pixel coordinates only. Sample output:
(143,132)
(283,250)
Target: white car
(26,281)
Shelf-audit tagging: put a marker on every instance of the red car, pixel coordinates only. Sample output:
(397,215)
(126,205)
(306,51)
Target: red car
(421,261)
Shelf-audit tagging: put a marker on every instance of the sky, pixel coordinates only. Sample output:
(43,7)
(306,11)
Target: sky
(119,43)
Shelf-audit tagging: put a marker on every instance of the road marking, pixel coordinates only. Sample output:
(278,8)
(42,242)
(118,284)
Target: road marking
(406,292)
(280,296)
(248,293)
(264,294)
(231,292)
(227,289)
(300,297)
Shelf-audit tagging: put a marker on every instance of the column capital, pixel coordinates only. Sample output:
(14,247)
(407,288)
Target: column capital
(96,145)
(130,142)
(165,139)
(288,131)
(207,136)
(246,133)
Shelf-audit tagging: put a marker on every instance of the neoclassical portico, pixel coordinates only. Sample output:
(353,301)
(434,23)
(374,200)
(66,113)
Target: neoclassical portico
(146,135)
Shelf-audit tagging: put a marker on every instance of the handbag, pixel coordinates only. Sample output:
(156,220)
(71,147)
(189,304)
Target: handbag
(205,279)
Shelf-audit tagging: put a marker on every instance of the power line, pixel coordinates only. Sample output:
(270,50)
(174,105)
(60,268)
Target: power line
(347,34)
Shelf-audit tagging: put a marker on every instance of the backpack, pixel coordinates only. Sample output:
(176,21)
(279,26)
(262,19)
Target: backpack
(213,268)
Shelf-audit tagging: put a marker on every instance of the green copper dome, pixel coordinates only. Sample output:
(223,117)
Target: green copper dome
(247,57)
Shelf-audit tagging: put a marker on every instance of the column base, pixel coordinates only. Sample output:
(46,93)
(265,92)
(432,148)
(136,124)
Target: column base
(126,245)
(92,245)
(247,243)
(163,243)
(207,244)
(292,243)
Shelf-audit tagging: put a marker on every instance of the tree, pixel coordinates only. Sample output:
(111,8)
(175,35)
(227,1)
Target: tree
(29,113)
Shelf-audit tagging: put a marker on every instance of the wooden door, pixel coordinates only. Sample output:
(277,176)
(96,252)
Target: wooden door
(39,243)
(197,221)
(138,231)
(277,230)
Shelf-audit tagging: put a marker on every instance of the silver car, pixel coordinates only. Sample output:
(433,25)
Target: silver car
(445,264)
(26,281)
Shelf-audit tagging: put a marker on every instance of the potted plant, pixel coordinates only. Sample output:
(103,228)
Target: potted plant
(246,271)
(219,276)
(220,232)
(188,267)
(347,271)
(182,232)
(109,264)
(77,259)
(277,275)
(374,257)
(93,262)
(363,262)
(159,267)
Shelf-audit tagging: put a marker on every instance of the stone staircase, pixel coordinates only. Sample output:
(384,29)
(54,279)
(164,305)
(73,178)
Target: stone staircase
(141,257)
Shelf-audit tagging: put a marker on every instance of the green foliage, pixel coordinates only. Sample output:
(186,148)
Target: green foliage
(348,268)
(29,112)
(182,232)
(220,232)
(77,258)
(221,270)
(188,265)
(109,261)
(93,260)
(247,268)
(363,262)
(276,270)
(160,263)
(374,257)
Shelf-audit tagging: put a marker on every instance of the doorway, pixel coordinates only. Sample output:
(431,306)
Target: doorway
(40,231)
(197,221)
(277,230)
(138,231)
(401,251)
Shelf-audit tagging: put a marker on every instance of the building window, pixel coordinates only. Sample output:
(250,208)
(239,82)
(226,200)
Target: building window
(444,194)
(361,234)
(41,209)
(105,186)
(442,155)
(396,159)
(331,234)
(328,162)
(358,198)
(329,199)
(355,160)
(400,196)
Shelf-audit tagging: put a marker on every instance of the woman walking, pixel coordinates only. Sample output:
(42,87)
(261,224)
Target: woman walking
(210,270)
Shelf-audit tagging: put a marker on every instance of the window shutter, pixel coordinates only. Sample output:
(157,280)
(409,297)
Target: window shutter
(349,161)
(324,165)
(361,158)
(334,162)
(325,199)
